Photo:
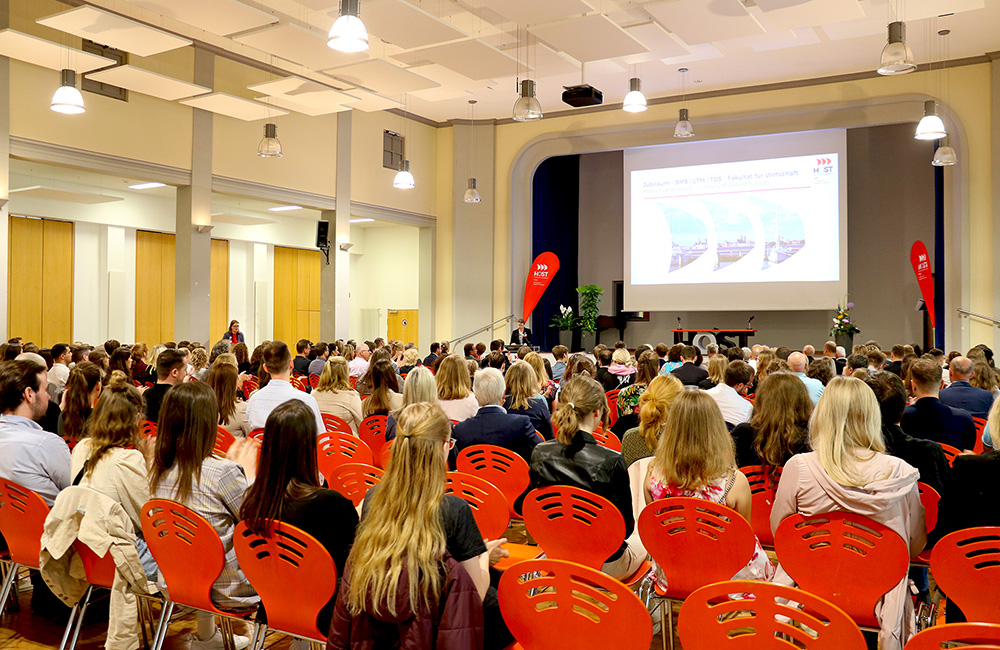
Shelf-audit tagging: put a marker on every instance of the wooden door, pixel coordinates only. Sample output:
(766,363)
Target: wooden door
(403,325)
(154,287)
(219,310)
(40,281)
(296,295)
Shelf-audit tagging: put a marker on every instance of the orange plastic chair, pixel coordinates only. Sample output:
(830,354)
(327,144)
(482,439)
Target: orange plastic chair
(257,434)
(573,524)
(966,565)
(559,605)
(335,448)
(607,439)
(147,428)
(929,499)
(298,383)
(501,467)
(978,448)
(314,381)
(372,433)
(100,572)
(826,553)
(353,480)
(386,454)
(249,386)
(950,452)
(711,619)
(982,635)
(292,573)
(190,556)
(488,504)
(762,492)
(223,441)
(352,382)
(22,520)
(334,423)
(612,397)
(679,532)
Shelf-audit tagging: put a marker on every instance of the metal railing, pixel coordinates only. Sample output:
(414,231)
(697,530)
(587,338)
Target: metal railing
(967,313)
(481,329)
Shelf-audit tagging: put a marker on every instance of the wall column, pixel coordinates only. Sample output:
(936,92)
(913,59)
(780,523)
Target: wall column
(335,292)
(328,330)
(426,295)
(995,156)
(193,259)
(4,168)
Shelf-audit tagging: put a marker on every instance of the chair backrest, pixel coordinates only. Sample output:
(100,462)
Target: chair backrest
(249,386)
(292,573)
(314,381)
(257,434)
(950,452)
(353,480)
(929,499)
(187,550)
(223,441)
(966,565)
(607,439)
(352,382)
(501,467)
(335,448)
(372,433)
(147,428)
(579,608)
(334,423)
(22,520)
(826,553)
(978,448)
(934,638)
(100,570)
(680,532)
(488,504)
(762,491)
(612,396)
(386,454)
(297,382)
(573,524)
(712,619)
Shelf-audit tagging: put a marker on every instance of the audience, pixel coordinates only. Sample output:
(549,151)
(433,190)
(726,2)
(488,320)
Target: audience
(59,373)
(335,396)
(927,417)
(822,370)
(431,358)
(778,428)
(654,404)
(513,428)
(322,352)
(729,394)
(358,364)
(522,399)
(278,364)
(300,365)
(454,394)
(222,379)
(546,386)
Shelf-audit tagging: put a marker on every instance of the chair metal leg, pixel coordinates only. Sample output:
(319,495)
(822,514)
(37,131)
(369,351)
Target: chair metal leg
(143,619)
(70,624)
(670,620)
(166,609)
(226,624)
(8,584)
(259,636)
(79,618)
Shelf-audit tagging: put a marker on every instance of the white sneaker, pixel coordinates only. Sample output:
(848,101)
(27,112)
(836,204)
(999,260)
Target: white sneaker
(215,642)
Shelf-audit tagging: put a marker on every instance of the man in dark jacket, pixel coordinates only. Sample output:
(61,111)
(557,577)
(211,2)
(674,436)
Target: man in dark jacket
(930,419)
(492,425)
(689,373)
(963,395)
(432,357)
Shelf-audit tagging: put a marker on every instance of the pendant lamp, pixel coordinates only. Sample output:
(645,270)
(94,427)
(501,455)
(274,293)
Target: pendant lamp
(404,179)
(67,98)
(635,101)
(472,194)
(896,55)
(944,155)
(349,34)
(270,146)
(930,127)
(684,129)
(527,108)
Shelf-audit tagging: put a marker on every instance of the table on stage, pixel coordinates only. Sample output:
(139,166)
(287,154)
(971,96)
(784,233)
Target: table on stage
(743,335)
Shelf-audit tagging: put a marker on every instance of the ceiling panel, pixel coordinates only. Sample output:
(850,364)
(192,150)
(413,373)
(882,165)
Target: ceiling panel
(320,5)
(56,194)
(300,45)
(232,106)
(370,102)
(785,14)
(700,52)
(222,17)
(311,111)
(405,25)
(590,38)
(919,9)
(453,85)
(660,43)
(471,58)
(533,12)
(38,51)
(303,92)
(149,83)
(382,77)
(806,36)
(704,21)
(116,31)
(548,62)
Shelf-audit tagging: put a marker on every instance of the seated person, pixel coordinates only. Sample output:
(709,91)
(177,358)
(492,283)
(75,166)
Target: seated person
(729,394)
(963,395)
(654,404)
(689,372)
(492,425)
(521,383)
(928,418)
(779,427)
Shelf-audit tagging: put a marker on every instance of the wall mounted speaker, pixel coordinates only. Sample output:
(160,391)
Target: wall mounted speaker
(322,234)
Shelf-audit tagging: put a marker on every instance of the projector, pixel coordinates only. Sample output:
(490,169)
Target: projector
(584,95)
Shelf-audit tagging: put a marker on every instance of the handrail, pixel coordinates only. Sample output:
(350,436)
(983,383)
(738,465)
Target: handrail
(481,329)
(969,313)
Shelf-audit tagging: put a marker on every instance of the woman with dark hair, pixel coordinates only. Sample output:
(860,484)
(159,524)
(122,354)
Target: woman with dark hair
(242,353)
(628,398)
(223,379)
(185,470)
(257,359)
(121,359)
(139,367)
(385,396)
(364,385)
(233,335)
(287,489)
(779,427)
(82,390)
(100,357)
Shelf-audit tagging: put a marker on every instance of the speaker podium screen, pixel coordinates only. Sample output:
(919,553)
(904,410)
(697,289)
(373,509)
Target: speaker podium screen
(741,224)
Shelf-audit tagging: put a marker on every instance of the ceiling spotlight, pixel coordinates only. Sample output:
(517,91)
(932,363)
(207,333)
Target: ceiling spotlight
(67,98)
(896,55)
(944,155)
(527,108)
(349,34)
(404,179)
(635,101)
(930,127)
(472,194)
(684,129)
(270,146)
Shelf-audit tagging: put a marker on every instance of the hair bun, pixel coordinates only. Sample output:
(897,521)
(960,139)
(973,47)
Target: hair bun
(118,380)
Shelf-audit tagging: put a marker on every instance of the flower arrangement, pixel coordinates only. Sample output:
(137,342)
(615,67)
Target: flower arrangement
(842,324)
(565,319)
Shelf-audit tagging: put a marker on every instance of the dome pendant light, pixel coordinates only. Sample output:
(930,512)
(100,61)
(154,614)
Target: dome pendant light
(472,194)
(404,179)
(944,155)
(349,34)
(635,101)
(896,55)
(269,146)
(527,108)
(684,129)
(67,98)
(930,127)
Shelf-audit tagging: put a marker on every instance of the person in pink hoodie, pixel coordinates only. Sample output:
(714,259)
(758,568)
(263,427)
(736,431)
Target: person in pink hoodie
(848,470)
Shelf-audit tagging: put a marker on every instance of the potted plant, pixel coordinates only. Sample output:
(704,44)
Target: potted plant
(590,298)
(844,329)
(564,320)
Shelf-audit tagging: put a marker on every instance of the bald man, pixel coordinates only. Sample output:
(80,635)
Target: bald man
(963,395)
(797,363)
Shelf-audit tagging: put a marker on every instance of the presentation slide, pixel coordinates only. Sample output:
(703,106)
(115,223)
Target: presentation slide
(765,231)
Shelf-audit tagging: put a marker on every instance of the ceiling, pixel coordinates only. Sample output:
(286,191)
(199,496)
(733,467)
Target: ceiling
(432,56)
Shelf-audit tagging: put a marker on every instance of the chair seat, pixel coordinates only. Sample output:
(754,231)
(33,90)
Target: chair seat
(518,553)
(639,574)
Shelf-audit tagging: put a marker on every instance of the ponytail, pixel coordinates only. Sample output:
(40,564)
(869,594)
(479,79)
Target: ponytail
(115,419)
(579,397)
(83,378)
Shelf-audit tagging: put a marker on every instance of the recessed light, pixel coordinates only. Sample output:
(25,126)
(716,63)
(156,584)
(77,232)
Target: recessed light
(365,220)
(285,208)
(146,186)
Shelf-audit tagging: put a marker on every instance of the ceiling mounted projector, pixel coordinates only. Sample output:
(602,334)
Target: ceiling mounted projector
(583,95)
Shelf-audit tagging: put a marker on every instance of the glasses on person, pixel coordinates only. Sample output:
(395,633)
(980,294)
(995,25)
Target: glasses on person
(451,443)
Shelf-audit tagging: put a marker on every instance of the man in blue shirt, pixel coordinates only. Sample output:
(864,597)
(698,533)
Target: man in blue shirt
(963,395)
(797,363)
(560,352)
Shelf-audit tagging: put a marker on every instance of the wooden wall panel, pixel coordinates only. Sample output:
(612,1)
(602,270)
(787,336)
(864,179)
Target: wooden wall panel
(219,311)
(57,275)
(154,287)
(296,294)
(40,281)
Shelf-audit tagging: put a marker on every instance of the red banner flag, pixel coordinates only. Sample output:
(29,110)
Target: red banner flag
(922,267)
(539,276)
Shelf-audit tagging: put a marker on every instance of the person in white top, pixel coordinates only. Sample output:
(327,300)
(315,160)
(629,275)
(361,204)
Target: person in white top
(359,364)
(59,374)
(454,394)
(729,395)
(278,363)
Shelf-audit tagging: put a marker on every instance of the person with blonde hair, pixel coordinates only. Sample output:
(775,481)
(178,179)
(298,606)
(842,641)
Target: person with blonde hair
(654,404)
(621,371)
(453,385)
(334,393)
(716,372)
(522,398)
(779,427)
(574,458)
(411,360)
(418,387)
(849,470)
(694,458)
(402,578)
(546,386)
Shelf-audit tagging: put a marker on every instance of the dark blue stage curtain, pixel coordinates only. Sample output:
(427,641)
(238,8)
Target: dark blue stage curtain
(555,212)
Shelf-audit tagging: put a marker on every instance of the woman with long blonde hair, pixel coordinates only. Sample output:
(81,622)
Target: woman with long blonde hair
(716,372)
(546,387)
(654,404)
(408,548)
(764,360)
(848,470)
(334,394)
(454,392)
(419,386)
(522,398)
